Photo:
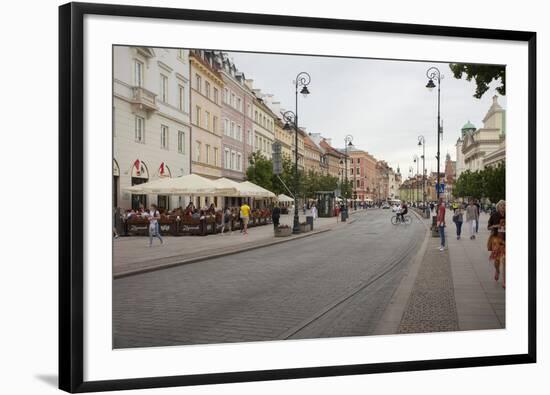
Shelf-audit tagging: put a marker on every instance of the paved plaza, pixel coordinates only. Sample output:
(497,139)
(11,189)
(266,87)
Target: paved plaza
(363,277)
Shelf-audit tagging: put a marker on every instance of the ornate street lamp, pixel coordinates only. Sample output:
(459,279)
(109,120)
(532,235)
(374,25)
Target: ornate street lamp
(433,73)
(422,142)
(415,160)
(291,118)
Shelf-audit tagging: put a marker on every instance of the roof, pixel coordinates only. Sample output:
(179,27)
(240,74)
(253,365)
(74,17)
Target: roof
(330,149)
(468,125)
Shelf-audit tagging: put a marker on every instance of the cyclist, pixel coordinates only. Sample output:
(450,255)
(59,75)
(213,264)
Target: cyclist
(404,210)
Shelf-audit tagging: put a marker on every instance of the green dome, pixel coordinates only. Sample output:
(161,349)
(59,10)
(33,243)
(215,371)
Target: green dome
(469,126)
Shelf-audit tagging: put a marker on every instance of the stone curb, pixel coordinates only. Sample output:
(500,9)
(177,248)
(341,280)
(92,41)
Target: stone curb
(225,253)
(216,255)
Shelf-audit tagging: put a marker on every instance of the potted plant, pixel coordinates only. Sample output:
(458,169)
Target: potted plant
(283,231)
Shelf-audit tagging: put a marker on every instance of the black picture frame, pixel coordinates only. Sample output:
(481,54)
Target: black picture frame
(71,195)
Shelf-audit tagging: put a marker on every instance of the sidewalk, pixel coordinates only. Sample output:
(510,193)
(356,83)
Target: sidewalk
(450,290)
(132,255)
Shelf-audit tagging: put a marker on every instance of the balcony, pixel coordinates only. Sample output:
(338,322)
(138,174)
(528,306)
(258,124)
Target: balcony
(144,99)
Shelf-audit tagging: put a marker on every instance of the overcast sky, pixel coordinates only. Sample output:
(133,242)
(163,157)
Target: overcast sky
(383,104)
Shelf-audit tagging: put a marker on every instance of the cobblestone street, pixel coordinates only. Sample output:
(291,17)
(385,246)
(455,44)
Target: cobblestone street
(336,283)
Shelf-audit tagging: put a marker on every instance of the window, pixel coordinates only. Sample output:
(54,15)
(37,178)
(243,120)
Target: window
(198,82)
(255,142)
(239,162)
(198,151)
(226,158)
(256,116)
(358,160)
(198,116)
(232,160)
(181,53)
(216,95)
(249,110)
(232,130)
(181,101)
(207,156)
(138,73)
(207,89)
(207,120)
(357,171)
(233,100)
(239,133)
(226,95)
(215,124)
(249,133)
(239,104)
(351,171)
(163,137)
(181,142)
(358,184)
(163,88)
(140,130)
(215,156)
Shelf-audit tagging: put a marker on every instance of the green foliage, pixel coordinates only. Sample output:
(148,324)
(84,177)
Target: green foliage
(260,172)
(489,183)
(482,74)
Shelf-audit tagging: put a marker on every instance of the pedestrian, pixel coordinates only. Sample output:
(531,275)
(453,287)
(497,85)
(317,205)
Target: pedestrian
(305,208)
(245,217)
(314,211)
(496,243)
(476,203)
(154,229)
(431,207)
(441,223)
(226,220)
(276,216)
(471,218)
(458,218)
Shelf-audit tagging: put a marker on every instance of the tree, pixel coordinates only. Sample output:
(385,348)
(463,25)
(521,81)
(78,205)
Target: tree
(483,76)
(488,183)
(260,171)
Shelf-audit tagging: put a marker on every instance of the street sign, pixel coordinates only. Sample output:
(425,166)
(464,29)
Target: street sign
(277,158)
(441,188)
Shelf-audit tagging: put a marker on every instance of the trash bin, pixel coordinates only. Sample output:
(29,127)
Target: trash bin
(309,221)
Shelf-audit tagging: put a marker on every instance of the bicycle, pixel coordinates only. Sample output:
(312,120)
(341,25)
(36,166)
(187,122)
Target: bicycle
(396,219)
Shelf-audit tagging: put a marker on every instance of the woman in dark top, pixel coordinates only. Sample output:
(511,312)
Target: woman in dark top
(497,240)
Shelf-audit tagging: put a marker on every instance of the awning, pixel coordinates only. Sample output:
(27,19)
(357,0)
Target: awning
(256,191)
(284,198)
(191,184)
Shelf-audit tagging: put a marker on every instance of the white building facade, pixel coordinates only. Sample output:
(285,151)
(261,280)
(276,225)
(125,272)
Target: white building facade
(485,146)
(151,129)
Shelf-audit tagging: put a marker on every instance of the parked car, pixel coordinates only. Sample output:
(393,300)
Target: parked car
(386,205)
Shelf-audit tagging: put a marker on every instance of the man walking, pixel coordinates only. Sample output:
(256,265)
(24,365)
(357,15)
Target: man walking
(441,223)
(245,217)
(472,217)
(275,216)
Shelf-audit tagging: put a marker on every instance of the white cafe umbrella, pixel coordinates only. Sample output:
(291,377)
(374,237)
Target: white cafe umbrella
(256,191)
(191,184)
(284,198)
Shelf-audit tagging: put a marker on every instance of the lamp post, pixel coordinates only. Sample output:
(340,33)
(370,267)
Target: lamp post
(433,73)
(422,142)
(415,160)
(347,142)
(302,80)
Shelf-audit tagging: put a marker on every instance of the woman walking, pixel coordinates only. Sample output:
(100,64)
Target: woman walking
(497,241)
(458,218)
(472,217)
(154,228)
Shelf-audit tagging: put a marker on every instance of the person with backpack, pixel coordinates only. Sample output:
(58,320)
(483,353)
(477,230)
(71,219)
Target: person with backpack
(472,216)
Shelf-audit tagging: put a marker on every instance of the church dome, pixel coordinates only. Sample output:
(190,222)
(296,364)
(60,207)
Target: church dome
(468,127)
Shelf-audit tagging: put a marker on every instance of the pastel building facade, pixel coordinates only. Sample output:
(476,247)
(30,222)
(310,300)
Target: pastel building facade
(151,126)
